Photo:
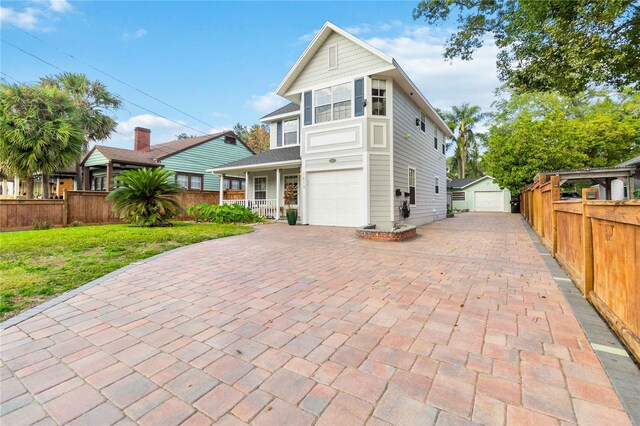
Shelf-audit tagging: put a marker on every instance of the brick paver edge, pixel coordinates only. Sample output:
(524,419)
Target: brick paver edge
(622,371)
(23,316)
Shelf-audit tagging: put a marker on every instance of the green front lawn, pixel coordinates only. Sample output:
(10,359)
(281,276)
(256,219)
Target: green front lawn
(36,265)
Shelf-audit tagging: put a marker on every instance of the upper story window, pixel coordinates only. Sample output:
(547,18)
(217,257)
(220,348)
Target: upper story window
(333,56)
(379,97)
(333,103)
(423,121)
(435,142)
(291,132)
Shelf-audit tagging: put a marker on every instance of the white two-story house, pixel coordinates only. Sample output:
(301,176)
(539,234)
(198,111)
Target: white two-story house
(358,139)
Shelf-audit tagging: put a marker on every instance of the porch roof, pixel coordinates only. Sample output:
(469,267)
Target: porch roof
(276,157)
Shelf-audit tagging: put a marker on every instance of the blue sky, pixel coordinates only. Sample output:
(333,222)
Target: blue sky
(220,61)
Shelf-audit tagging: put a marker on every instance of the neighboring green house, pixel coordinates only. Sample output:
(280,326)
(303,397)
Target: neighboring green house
(189,158)
(480,194)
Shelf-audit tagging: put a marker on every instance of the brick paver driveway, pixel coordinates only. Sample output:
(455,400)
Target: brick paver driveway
(297,325)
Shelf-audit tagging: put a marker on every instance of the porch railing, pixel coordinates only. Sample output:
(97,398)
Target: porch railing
(264,208)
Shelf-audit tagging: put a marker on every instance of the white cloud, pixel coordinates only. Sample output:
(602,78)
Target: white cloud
(265,103)
(359,29)
(140,32)
(27,19)
(220,115)
(60,6)
(419,52)
(35,16)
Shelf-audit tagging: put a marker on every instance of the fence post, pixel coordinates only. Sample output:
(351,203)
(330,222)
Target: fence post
(555,196)
(587,240)
(65,209)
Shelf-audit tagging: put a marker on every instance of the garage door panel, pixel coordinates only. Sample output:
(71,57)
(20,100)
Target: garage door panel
(336,198)
(488,201)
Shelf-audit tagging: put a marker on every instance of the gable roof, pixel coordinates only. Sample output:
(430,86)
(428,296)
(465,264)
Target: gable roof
(156,152)
(402,77)
(279,155)
(291,107)
(463,183)
(635,161)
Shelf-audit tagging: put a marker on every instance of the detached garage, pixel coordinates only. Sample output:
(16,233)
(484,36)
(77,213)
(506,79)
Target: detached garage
(479,195)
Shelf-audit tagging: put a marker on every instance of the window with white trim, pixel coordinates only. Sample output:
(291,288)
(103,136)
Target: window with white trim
(412,186)
(323,104)
(333,57)
(260,188)
(291,132)
(437,186)
(292,180)
(333,103)
(423,121)
(342,95)
(378,97)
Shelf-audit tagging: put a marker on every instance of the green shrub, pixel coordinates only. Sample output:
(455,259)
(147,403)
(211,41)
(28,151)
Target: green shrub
(146,197)
(41,224)
(76,223)
(636,194)
(226,213)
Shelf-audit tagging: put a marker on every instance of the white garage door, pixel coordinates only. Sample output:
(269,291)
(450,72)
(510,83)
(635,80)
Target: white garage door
(336,198)
(488,201)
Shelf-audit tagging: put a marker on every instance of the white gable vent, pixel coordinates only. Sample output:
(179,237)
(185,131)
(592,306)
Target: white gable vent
(333,56)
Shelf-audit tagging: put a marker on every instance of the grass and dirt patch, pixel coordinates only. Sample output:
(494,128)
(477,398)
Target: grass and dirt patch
(37,265)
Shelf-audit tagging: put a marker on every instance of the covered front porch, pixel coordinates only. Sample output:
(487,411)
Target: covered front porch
(266,176)
(264,191)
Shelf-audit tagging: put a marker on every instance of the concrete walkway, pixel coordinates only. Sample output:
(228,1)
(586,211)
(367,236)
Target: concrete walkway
(298,325)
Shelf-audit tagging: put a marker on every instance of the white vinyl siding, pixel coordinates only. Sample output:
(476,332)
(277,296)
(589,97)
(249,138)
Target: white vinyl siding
(352,60)
(380,189)
(416,151)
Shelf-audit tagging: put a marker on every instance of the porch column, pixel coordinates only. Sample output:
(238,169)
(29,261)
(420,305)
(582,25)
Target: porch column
(58,186)
(246,188)
(4,187)
(109,175)
(630,187)
(277,194)
(221,197)
(16,186)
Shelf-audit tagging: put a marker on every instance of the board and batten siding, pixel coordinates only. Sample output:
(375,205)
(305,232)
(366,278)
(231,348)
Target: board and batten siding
(380,189)
(96,159)
(353,60)
(417,151)
(205,156)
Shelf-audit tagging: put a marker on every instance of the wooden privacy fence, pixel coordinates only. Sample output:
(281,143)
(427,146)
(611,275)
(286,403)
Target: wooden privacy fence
(88,207)
(597,242)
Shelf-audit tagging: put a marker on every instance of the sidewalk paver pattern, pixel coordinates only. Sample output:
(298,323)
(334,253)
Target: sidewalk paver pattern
(304,325)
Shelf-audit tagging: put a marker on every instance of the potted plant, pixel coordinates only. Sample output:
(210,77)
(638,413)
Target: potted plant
(450,212)
(290,196)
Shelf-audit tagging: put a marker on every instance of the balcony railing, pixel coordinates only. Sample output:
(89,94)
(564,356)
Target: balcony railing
(264,208)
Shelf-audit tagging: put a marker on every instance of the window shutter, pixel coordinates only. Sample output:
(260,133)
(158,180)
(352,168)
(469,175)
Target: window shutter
(279,133)
(359,97)
(307,108)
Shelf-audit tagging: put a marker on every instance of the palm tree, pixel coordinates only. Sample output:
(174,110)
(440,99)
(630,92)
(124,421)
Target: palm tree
(461,120)
(146,197)
(39,132)
(94,103)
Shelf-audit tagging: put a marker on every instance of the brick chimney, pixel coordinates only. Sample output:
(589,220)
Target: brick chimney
(142,139)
